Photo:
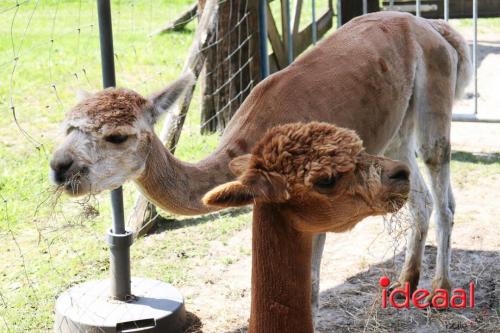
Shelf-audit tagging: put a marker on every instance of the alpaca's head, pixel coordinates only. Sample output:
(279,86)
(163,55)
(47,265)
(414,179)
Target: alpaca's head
(319,175)
(107,138)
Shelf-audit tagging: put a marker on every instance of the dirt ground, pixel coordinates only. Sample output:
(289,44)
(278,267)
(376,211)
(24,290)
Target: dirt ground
(218,296)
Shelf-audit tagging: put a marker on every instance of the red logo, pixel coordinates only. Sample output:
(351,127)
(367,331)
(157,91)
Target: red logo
(441,298)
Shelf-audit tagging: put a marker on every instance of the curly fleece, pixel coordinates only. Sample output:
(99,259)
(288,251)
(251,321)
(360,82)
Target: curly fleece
(303,153)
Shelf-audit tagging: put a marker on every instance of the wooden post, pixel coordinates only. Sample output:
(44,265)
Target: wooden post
(231,69)
(179,23)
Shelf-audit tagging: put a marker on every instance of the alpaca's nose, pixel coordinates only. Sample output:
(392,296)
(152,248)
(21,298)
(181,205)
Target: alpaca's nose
(399,173)
(60,165)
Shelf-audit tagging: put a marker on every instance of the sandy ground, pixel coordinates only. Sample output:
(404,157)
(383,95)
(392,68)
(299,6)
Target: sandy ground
(218,296)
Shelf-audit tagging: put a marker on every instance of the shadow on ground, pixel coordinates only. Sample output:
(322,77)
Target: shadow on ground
(170,223)
(485,48)
(355,306)
(193,323)
(477,158)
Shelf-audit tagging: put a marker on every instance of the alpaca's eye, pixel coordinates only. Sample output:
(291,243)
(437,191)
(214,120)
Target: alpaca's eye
(326,183)
(116,138)
(70,129)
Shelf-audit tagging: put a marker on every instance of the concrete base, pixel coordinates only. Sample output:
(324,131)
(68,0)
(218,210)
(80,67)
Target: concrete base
(87,307)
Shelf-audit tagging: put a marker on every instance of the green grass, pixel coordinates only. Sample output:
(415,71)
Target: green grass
(46,248)
(484,25)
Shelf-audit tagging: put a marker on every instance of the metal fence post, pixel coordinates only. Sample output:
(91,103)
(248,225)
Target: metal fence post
(264,56)
(365,7)
(446,10)
(287,30)
(417,10)
(118,238)
(314,23)
(339,13)
(474,52)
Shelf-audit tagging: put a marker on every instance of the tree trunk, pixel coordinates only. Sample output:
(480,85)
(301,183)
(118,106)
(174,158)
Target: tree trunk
(179,23)
(232,67)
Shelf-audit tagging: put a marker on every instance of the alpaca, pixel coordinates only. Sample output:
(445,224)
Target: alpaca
(304,179)
(391,77)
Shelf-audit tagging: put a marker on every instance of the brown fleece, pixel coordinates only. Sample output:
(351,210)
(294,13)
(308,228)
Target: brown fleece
(113,107)
(303,153)
(281,274)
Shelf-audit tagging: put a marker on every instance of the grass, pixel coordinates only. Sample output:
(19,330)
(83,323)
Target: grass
(466,166)
(48,50)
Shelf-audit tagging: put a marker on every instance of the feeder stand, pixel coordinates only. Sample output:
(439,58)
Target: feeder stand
(120,304)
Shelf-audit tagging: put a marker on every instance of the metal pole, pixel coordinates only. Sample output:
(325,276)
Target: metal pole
(446,10)
(106,42)
(288,32)
(314,23)
(264,56)
(365,6)
(339,13)
(118,238)
(474,52)
(391,4)
(417,11)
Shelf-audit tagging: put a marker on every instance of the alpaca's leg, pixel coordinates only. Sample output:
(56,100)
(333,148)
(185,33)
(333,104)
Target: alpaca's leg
(318,245)
(436,155)
(420,207)
(451,200)
(435,150)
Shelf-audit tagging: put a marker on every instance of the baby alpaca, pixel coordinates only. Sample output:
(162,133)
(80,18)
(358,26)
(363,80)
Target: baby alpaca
(303,179)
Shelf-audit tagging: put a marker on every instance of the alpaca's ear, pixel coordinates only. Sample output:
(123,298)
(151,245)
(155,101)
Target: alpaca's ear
(165,99)
(239,164)
(268,186)
(232,194)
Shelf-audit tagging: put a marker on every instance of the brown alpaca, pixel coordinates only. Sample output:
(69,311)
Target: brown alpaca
(391,77)
(303,179)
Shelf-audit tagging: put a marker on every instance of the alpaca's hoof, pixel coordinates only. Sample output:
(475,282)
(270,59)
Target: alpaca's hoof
(443,284)
(411,280)
(394,286)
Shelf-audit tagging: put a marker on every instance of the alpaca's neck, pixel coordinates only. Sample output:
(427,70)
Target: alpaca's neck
(177,186)
(281,275)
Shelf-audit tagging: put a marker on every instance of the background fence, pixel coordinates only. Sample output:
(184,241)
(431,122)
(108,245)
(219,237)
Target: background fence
(48,50)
